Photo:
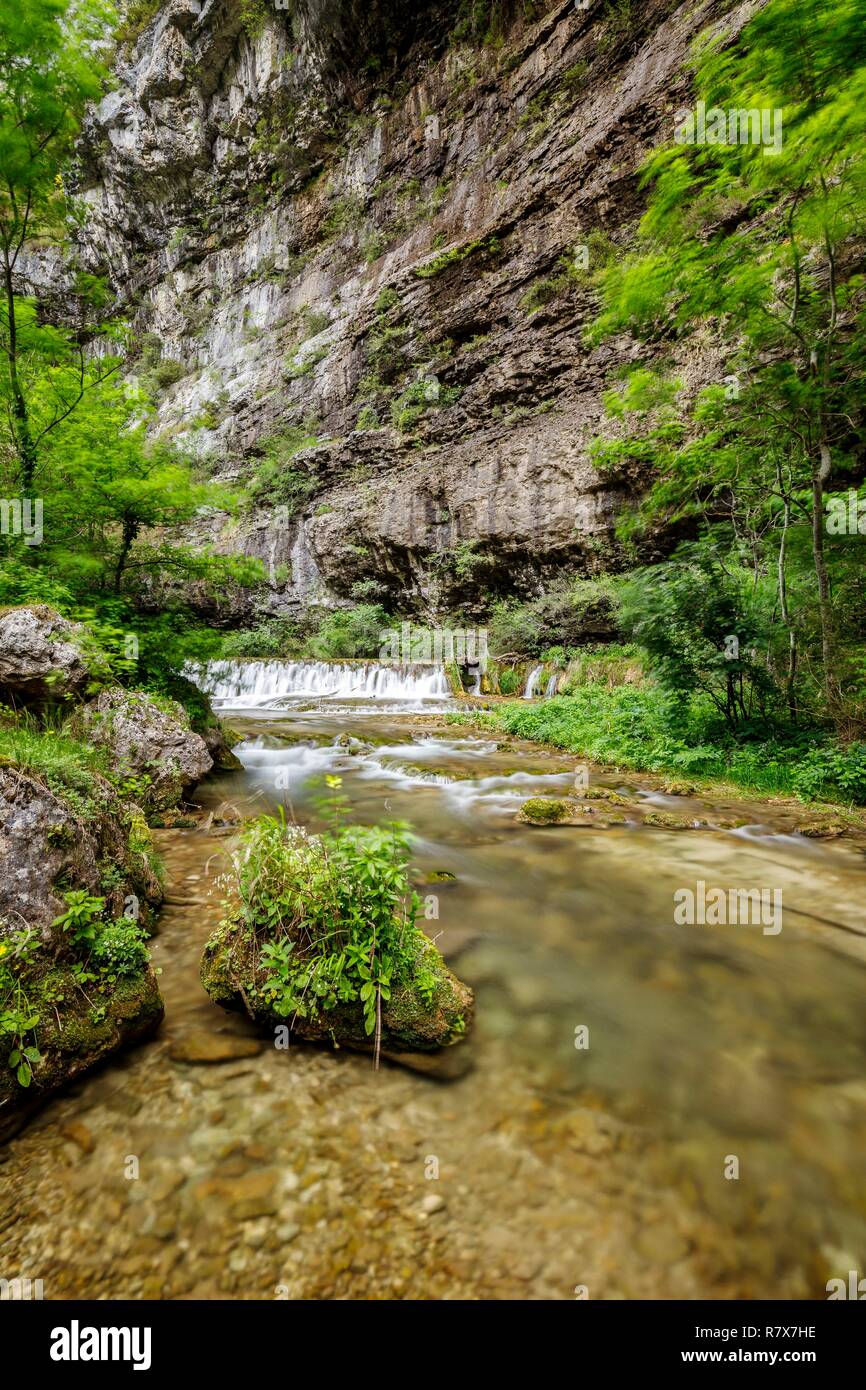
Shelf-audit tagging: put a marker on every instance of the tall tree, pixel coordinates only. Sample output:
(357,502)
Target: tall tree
(764,241)
(50,67)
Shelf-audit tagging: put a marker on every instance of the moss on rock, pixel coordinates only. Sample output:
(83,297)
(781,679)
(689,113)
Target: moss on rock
(538,810)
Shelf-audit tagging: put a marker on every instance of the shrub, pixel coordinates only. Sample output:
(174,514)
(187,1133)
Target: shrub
(323,928)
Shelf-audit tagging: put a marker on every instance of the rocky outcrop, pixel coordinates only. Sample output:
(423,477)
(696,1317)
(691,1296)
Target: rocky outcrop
(55,838)
(147,739)
(55,1021)
(367,234)
(44,656)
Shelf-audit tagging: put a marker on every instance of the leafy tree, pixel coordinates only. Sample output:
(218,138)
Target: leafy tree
(704,629)
(50,67)
(766,246)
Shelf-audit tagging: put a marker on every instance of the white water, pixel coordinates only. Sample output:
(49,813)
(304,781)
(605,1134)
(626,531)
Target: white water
(532,682)
(248,684)
(551,686)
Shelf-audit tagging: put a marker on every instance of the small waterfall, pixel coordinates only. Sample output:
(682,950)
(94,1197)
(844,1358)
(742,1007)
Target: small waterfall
(476,689)
(551,686)
(244,684)
(532,682)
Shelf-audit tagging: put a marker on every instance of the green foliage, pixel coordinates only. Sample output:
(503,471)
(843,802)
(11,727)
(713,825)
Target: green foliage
(704,628)
(115,949)
(419,397)
(334,916)
(81,917)
(120,949)
(139,14)
(350,632)
(63,763)
(274,481)
(275,637)
(19,1020)
(762,239)
(638,729)
(489,246)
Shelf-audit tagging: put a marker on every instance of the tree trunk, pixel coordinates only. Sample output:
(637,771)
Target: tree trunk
(791,676)
(820,473)
(24,445)
(130,531)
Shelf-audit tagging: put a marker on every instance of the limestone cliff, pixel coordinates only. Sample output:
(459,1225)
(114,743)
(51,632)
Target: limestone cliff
(356,237)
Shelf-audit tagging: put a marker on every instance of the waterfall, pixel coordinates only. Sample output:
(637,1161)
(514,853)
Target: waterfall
(476,689)
(551,686)
(532,682)
(244,684)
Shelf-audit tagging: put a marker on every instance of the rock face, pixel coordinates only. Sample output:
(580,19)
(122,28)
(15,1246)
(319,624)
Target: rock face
(366,232)
(44,656)
(149,740)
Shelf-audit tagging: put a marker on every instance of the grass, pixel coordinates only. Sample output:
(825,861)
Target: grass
(632,728)
(62,763)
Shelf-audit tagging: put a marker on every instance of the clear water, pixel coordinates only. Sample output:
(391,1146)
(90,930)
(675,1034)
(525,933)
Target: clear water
(307,1174)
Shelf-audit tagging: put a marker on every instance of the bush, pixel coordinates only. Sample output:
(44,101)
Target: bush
(321,930)
(350,632)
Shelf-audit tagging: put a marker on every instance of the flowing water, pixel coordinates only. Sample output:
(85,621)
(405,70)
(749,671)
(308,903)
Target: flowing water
(620,1065)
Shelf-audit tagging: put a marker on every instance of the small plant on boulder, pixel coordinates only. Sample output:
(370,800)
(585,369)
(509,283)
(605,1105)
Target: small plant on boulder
(320,933)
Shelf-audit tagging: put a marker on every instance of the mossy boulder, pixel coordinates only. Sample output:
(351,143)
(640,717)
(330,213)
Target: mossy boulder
(44,657)
(234,977)
(321,936)
(149,739)
(76,1031)
(64,1005)
(539,810)
(55,838)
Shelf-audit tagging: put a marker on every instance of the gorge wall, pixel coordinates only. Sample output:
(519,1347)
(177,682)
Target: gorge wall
(353,238)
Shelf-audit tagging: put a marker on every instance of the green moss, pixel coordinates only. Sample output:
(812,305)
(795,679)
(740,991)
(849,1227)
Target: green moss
(487,246)
(540,811)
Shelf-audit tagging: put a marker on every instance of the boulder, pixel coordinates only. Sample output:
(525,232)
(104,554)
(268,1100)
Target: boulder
(231,964)
(54,839)
(49,843)
(44,656)
(148,738)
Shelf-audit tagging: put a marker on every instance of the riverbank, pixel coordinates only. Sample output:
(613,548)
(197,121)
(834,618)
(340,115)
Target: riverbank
(623,727)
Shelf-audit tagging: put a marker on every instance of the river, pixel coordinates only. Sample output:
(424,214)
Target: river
(645,1109)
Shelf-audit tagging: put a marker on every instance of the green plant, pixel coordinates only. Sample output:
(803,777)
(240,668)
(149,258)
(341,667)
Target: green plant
(18,1019)
(333,915)
(120,948)
(81,918)
(489,246)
